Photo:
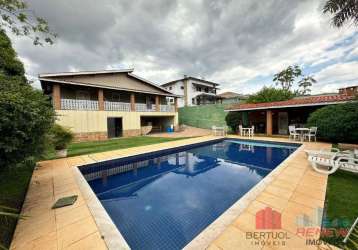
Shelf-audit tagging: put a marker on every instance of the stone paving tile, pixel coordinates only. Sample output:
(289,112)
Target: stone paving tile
(295,189)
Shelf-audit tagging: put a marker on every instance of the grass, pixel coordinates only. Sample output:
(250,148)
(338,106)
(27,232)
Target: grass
(341,202)
(13,187)
(14,181)
(82,148)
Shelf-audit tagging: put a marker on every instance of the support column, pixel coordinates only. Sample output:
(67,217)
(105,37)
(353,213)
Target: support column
(157,103)
(132,102)
(269,122)
(56,96)
(100,99)
(176,104)
(186,92)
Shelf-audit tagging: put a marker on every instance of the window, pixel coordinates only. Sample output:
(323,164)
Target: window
(170,88)
(193,100)
(198,89)
(181,87)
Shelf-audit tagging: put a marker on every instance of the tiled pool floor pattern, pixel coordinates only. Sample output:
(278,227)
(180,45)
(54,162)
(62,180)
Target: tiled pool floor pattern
(295,188)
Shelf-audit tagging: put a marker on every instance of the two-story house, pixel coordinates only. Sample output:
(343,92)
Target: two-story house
(97,105)
(194,91)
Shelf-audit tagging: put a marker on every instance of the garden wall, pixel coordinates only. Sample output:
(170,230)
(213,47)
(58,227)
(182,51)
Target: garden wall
(204,116)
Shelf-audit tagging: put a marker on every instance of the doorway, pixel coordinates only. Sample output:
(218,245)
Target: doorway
(114,127)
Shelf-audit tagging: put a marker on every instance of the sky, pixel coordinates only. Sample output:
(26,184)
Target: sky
(239,44)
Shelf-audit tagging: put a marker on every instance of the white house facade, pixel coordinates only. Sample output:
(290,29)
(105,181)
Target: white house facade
(194,91)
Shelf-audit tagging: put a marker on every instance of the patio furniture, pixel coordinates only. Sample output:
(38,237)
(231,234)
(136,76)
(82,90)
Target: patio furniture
(311,133)
(324,153)
(332,164)
(302,132)
(292,132)
(219,131)
(247,131)
(332,152)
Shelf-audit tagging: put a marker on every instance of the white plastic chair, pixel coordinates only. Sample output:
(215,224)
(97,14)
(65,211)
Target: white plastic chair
(251,131)
(293,133)
(332,164)
(242,133)
(311,133)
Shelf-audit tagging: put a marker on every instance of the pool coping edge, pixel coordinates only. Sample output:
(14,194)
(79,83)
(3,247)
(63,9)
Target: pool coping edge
(218,226)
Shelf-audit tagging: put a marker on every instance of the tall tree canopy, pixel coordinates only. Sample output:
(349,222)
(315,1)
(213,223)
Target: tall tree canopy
(343,11)
(286,77)
(269,94)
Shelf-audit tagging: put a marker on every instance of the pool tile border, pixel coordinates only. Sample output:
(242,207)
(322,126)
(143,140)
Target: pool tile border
(211,232)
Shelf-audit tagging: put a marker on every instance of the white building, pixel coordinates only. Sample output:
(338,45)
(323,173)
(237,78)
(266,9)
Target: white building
(195,91)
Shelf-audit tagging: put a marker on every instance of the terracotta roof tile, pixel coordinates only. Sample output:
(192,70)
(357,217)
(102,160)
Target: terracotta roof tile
(296,102)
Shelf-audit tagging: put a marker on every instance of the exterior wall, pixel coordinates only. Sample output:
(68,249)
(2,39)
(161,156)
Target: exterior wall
(92,125)
(190,93)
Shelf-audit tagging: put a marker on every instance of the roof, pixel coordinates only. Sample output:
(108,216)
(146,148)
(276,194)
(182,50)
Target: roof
(355,86)
(192,78)
(85,73)
(300,102)
(51,77)
(229,94)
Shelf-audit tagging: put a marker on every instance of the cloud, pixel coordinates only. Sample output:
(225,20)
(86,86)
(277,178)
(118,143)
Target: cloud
(239,44)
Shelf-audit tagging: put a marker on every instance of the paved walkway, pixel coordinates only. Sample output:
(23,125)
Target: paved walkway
(188,132)
(295,189)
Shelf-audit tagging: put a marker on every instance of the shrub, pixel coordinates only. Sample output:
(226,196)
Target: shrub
(269,94)
(60,137)
(26,116)
(233,119)
(336,123)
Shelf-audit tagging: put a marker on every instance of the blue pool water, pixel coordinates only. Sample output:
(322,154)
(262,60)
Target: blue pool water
(163,200)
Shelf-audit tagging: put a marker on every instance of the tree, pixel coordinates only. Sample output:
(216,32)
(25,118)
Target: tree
(270,94)
(287,76)
(233,120)
(306,83)
(26,115)
(343,11)
(15,17)
(336,123)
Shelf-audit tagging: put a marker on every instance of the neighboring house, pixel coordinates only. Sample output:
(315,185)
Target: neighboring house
(272,118)
(97,105)
(352,90)
(195,91)
(232,97)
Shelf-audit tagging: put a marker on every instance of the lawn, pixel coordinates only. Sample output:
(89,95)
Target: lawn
(341,202)
(13,187)
(82,148)
(14,181)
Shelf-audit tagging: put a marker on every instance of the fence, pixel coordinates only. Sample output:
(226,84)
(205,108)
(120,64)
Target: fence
(204,116)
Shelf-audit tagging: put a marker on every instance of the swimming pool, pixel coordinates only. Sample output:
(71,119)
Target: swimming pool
(163,200)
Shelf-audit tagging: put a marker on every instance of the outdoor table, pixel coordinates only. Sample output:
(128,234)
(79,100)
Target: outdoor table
(302,131)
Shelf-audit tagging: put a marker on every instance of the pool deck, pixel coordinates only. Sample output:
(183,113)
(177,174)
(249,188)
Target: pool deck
(292,190)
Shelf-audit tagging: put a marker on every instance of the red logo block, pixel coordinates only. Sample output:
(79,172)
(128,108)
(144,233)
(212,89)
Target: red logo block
(268,219)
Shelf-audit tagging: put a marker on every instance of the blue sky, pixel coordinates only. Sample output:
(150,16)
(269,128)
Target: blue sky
(239,44)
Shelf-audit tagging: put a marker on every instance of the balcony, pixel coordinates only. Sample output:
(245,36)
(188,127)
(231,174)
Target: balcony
(117,106)
(73,104)
(142,107)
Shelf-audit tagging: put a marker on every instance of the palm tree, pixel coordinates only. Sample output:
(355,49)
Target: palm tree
(287,76)
(305,83)
(343,11)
